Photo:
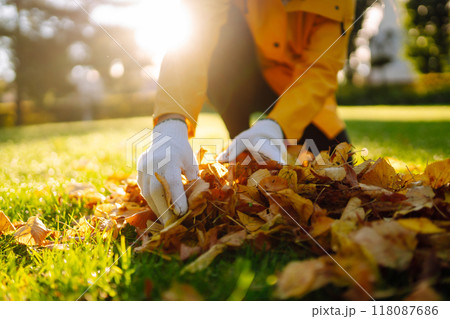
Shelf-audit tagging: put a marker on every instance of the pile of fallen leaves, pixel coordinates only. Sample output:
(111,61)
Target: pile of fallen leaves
(359,221)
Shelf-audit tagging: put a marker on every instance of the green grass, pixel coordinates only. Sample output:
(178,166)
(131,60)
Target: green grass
(37,161)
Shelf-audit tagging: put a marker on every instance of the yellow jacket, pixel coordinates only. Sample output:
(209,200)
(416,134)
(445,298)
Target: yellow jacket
(299,47)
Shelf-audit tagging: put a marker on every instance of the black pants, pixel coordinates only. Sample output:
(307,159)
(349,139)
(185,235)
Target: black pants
(237,87)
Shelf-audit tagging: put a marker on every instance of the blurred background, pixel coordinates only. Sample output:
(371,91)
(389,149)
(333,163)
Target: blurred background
(57,64)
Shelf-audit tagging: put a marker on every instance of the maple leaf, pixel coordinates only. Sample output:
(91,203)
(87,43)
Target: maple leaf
(32,233)
(5,224)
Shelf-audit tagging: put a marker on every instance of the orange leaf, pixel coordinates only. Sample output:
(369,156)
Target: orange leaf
(140,219)
(5,224)
(273,183)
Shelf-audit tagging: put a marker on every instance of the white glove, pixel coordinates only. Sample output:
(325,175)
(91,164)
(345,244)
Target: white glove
(264,137)
(169,155)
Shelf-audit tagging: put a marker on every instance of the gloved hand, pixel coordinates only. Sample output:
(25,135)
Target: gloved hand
(264,137)
(169,155)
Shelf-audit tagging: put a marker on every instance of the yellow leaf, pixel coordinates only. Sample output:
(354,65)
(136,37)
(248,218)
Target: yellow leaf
(340,154)
(5,224)
(437,174)
(256,177)
(166,187)
(105,210)
(290,175)
(380,174)
(420,225)
(251,223)
(303,206)
(32,233)
(84,191)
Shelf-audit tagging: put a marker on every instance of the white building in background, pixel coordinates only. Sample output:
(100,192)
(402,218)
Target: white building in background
(379,57)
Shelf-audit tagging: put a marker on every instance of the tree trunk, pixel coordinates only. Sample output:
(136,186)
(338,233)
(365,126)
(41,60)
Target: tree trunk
(18,67)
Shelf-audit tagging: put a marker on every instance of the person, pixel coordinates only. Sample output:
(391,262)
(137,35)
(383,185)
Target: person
(273,56)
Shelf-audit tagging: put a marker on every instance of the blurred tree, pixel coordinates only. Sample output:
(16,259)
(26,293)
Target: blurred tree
(428,34)
(43,37)
(360,9)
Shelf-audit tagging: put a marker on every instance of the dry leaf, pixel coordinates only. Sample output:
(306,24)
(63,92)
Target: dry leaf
(166,187)
(251,223)
(197,193)
(340,154)
(86,192)
(336,174)
(290,176)
(140,219)
(205,259)
(301,277)
(321,225)
(390,244)
(420,225)
(418,198)
(363,167)
(256,177)
(273,183)
(380,174)
(32,233)
(5,224)
(437,174)
(353,211)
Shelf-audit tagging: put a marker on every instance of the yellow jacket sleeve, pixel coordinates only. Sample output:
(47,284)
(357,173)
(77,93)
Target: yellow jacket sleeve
(183,76)
(316,78)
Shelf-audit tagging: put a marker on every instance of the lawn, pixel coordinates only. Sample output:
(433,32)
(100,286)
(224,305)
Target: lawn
(37,161)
